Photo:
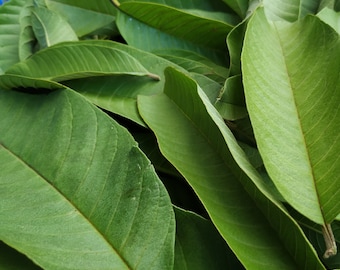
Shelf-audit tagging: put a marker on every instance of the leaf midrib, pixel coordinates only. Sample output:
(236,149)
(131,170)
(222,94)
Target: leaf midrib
(307,153)
(27,165)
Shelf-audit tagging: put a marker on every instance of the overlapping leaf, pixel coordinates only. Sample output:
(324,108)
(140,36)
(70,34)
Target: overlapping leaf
(50,28)
(84,19)
(184,32)
(9,33)
(78,59)
(199,246)
(75,185)
(290,10)
(193,138)
(291,78)
(330,17)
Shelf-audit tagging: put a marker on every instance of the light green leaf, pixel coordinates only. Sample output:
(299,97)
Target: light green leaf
(292,95)
(330,17)
(81,19)
(94,200)
(50,28)
(199,245)
(9,33)
(77,60)
(289,10)
(192,136)
(186,32)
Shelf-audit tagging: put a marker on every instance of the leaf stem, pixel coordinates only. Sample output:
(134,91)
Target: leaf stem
(115,2)
(154,76)
(328,235)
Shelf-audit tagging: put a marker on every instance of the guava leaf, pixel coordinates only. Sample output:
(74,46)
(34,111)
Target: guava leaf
(292,95)
(289,10)
(72,60)
(194,138)
(9,33)
(50,28)
(75,190)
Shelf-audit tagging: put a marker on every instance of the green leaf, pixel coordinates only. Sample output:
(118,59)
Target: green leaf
(196,63)
(199,245)
(186,32)
(75,190)
(104,7)
(118,94)
(50,28)
(330,17)
(239,6)
(21,82)
(294,106)
(235,44)
(77,60)
(9,33)
(231,104)
(26,37)
(289,10)
(82,20)
(192,136)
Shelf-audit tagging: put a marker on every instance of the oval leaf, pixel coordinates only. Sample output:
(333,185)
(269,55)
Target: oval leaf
(292,95)
(75,191)
(77,60)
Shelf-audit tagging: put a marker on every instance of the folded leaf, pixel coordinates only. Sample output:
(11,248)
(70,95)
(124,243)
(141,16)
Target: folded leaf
(330,17)
(83,20)
(292,95)
(75,190)
(289,10)
(193,137)
(77,60)
(190,31)
(50,27)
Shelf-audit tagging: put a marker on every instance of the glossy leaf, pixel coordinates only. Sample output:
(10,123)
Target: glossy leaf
(193,138)
(92,194)
(50,28)
(294,108)
(78,59)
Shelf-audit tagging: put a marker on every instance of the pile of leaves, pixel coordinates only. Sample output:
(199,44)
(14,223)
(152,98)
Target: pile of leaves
(169,134)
